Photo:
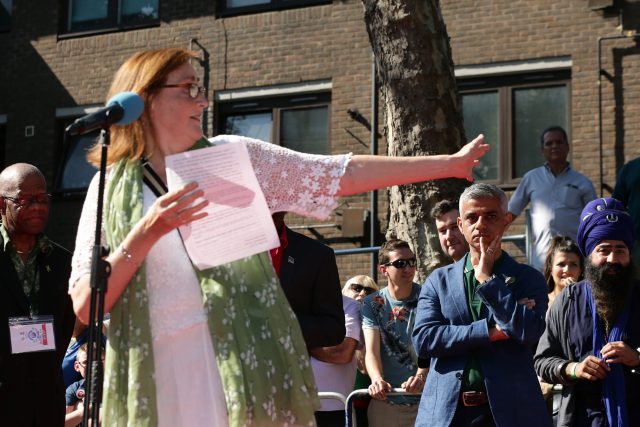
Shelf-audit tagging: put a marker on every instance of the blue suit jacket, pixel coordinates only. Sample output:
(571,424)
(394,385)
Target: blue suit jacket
(445,331)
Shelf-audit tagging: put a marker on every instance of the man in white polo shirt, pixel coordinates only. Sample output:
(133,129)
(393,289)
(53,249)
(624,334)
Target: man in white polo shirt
(557,194)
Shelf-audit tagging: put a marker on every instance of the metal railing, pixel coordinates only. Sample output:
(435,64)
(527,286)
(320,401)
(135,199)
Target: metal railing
(525,239)
(360,393)
(364,393)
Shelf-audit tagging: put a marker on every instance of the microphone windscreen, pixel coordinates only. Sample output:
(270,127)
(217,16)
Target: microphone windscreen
(132,105)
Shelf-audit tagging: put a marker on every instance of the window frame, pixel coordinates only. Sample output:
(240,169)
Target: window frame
(66,146)
(274,5)
(505,86)
(276,104)
(3,139)
(113,23)
(7,28)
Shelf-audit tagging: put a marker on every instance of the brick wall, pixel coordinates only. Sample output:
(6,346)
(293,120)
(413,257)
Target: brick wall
(41,72)
(291,46)
(504,30)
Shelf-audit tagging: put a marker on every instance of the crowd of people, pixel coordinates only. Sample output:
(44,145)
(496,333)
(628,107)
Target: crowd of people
(485,341)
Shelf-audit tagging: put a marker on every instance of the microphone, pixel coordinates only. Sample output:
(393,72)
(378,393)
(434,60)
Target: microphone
(122,109)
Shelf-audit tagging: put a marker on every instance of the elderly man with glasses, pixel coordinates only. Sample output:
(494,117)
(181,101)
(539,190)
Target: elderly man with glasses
(35,308)
(387,322)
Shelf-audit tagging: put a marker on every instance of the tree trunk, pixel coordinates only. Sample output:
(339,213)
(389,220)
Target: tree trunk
(421,112)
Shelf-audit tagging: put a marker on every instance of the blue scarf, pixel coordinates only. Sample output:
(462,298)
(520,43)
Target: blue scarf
(613,387)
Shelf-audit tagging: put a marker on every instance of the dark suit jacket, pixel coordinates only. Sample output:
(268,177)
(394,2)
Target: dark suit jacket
(31,385)
(445,331)
(309,278)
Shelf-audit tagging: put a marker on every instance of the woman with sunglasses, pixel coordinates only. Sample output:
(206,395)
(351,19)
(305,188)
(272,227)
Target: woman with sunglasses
(181,338)
(359,287)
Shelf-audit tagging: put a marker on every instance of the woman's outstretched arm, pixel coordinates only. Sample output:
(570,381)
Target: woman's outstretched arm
(366,173)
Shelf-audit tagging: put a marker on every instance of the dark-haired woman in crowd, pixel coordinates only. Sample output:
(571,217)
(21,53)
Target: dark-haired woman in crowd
(563,265)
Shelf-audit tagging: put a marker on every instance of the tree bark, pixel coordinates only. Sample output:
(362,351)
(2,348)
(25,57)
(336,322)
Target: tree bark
(421,112)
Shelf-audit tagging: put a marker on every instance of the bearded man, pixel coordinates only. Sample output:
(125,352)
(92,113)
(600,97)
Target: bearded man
(592,339)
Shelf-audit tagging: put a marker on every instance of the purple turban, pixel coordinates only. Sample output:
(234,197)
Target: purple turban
(604,219)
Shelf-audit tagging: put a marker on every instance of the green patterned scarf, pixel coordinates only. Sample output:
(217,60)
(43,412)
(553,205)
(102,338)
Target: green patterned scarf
(259,347)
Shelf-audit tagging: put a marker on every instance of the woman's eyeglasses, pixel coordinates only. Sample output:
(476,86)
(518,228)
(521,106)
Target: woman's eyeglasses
(359,288)
(194,89)
(402,263)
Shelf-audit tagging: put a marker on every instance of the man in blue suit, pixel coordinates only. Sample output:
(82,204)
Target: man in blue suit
(479,320)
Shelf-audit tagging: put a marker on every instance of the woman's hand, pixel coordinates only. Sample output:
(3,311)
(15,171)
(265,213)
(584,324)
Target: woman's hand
(174,209)
(168,212)
(468,157)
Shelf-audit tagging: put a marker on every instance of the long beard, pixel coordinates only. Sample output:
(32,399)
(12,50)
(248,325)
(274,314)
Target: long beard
(610,285)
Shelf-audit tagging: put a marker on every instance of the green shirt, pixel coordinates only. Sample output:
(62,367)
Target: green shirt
(472,378)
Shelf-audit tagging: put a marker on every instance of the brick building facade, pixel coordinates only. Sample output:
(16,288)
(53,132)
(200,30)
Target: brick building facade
(512,58)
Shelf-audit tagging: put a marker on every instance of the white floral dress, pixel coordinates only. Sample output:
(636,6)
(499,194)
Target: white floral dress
(187,380)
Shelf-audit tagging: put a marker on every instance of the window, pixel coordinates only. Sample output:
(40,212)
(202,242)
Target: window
(512,111)
(74,173)
(238,7)
(5,15)
(3,138)
(96,15)
(299,122)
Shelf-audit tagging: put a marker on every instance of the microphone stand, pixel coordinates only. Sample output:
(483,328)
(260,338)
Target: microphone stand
(100,270)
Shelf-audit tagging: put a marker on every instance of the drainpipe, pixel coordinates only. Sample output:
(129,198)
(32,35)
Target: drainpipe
(601,72)
(374,151)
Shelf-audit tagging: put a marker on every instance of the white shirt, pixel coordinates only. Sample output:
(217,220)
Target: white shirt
(340,378)
(556,203)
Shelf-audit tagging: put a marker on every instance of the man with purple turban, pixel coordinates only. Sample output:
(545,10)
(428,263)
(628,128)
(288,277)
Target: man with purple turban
(591,344)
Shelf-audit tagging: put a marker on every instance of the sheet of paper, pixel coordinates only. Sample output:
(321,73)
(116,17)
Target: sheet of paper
(238,223)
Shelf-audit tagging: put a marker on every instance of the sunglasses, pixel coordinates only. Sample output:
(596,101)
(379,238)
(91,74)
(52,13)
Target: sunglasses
(402,263)
(22,201)
(193,88)
(359,288)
